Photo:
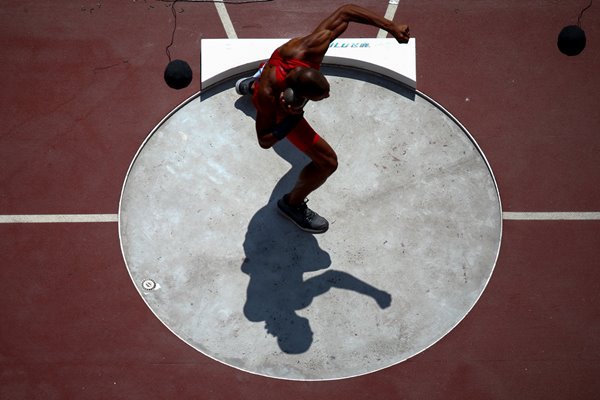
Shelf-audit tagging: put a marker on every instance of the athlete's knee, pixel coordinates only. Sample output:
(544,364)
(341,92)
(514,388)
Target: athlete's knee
(333,163)
(329,163)
(324,157)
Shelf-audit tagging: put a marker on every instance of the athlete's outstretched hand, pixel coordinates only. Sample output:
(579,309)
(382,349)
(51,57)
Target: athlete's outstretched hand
(401,33)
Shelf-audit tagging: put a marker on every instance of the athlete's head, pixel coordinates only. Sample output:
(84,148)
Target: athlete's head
(309,83)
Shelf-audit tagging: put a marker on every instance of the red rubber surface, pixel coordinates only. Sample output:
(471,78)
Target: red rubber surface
(82,87)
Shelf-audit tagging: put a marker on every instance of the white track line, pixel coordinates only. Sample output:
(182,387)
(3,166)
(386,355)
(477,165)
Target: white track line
(225,20)
(96,218)
(389,14)
(57,218)
(550,216)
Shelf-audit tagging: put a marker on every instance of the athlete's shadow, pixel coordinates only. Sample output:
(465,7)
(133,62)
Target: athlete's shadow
(277,256)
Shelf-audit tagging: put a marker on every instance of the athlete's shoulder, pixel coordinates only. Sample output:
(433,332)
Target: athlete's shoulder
(316,40)
(294,48)
(317,43)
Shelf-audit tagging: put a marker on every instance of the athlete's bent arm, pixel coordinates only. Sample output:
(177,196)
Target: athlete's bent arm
(265,123)
(275,119)
(338,22)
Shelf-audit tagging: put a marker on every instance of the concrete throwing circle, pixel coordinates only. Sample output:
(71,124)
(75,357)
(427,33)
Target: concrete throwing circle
(415,229)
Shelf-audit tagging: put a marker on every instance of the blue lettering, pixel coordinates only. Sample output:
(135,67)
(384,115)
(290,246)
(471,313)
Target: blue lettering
(354,45)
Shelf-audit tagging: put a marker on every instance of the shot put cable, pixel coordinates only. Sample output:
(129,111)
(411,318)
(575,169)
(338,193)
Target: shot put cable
(571,39)
(178,73)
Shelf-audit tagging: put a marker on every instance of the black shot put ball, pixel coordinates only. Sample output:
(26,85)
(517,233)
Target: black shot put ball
(571,40)
(178,74)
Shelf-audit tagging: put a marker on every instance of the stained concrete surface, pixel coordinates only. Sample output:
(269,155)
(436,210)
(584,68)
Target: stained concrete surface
(415,228)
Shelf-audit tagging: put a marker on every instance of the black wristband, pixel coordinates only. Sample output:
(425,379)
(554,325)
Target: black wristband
(284,127)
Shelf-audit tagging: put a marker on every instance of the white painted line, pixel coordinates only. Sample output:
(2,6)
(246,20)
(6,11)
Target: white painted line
(57,218)
(96,218)
(225,20)
(389,14)
(552,216)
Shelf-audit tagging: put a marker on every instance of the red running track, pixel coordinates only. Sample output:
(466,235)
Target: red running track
(82,87)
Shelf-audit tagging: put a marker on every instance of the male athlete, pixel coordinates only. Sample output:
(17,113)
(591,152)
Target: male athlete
(281,88)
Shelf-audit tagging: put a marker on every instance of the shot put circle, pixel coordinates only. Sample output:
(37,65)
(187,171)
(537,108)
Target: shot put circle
(415,230)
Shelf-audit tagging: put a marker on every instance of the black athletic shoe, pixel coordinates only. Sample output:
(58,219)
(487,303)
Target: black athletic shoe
(244,86)
(305,218)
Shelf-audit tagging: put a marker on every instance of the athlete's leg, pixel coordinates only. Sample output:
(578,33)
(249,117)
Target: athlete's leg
(245,86)
(323,164)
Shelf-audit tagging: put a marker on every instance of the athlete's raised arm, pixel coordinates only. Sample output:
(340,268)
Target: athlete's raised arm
(333,26)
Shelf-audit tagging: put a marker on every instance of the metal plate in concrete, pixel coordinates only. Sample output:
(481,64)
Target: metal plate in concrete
(415,229)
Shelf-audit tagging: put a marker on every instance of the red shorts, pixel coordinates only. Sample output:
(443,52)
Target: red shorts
(303,136)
